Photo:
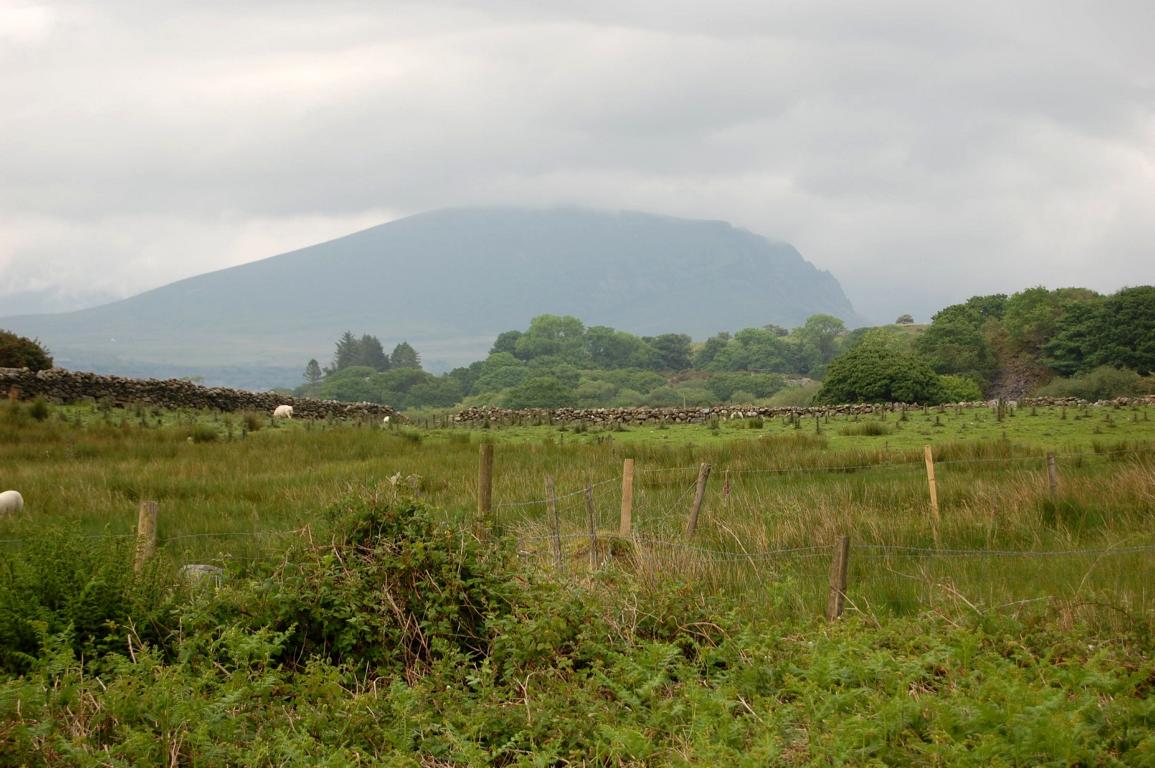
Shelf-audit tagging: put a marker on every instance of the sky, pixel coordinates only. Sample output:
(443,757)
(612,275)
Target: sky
(922,152)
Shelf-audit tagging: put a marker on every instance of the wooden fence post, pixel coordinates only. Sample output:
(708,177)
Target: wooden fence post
(838,569)
(554,521)
(485,489)
(593,528)
(934,517)
(145,533)
(699,496)
(1052,475)
(726,492)
(625,529)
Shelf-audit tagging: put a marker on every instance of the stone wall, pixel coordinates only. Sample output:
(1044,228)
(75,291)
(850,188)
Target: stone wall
(61,386)
(638,416)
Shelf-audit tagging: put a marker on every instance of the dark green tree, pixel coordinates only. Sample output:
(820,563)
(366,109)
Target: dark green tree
(506,342)
(22,352)
(710,350)
(554,336)
(346,353)
(673,351)
(405,356)
(1127,330)
(371,353)
(960,338)
(313,372)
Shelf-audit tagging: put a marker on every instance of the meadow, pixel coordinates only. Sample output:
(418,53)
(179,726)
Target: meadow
(1016,630)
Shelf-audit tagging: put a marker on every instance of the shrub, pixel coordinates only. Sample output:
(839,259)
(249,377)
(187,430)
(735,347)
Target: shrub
(879,370)
(1102,383)
(60,588)
(867,429)
(20,352)
(390,589)
(38,409)
(959,389)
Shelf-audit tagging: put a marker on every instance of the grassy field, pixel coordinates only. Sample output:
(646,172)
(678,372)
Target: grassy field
(1018,631)
(780,493)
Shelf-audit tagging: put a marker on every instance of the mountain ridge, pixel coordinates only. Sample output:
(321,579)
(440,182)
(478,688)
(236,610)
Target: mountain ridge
(448,281)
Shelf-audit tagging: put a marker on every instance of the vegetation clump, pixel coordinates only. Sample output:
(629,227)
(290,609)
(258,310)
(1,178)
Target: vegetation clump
(21,352)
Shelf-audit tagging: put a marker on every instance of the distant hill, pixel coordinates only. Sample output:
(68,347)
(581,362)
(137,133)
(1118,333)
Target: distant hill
(448,282)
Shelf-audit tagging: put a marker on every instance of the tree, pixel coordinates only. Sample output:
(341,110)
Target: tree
(879,371)
(958,339)
(554,335)
(313,372)
(21,352)
(673,351)
(1127,338)
(818,341)
(506,342)
(371,353)
(405,356)
(904,320)
(715,344)
(346,352)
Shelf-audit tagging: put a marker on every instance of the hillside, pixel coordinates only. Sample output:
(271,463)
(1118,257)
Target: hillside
(448,282)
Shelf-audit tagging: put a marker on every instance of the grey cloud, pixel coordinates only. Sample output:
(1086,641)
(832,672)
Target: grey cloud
(996,145)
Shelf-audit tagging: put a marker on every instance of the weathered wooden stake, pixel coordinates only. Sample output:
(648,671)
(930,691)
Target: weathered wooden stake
(554,521)
(699,496)
(934,517)
(1052,475)
(145,532)
(726,491)
(838,568)
(485,489)
(625,528)
(593,527)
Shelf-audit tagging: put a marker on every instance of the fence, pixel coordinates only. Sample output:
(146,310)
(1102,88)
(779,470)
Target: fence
(719,527)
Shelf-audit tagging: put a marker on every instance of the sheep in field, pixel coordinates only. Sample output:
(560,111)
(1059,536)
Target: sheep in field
(11,502)
(283,412)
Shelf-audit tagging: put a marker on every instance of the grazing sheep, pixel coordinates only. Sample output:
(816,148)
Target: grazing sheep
(385,421)
(283,412)
(11,502)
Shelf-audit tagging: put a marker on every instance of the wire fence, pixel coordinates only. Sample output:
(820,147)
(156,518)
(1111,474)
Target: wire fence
(582,524)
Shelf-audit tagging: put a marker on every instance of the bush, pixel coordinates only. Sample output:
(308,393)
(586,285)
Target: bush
(389,589)
(879,370)
(795,397)
(867,429)
(1102,383)
(959,389)
(61,589)
(20,352)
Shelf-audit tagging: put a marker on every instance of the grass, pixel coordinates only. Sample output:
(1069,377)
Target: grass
(234,497)
(1023,636)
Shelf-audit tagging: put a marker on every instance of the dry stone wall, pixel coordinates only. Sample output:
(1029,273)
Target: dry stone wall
(61,386)
(607,417)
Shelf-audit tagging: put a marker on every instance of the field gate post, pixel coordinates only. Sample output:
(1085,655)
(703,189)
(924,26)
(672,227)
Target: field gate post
(838,570)
(625,529)
(485,489)
(145,533)
(1052,475)
(933,487)
(699,497)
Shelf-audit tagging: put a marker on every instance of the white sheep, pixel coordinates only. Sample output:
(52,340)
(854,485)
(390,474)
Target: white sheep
(385,421)
(283,412)
(11,502)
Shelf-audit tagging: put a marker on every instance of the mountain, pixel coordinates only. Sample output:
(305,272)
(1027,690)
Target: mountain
(448,282)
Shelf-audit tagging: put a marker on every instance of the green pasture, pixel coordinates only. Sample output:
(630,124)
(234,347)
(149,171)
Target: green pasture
(235,489)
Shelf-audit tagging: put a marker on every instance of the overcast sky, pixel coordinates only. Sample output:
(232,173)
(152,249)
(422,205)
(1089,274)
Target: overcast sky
(923,152)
